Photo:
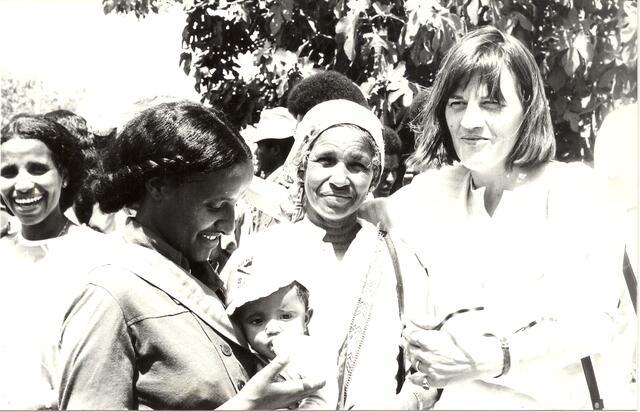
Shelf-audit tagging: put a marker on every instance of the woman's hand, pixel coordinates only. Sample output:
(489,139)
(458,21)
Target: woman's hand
(418,396)
(444,357)
(262,392)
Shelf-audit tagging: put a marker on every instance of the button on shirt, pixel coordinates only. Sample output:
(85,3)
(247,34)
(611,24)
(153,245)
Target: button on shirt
(145,333)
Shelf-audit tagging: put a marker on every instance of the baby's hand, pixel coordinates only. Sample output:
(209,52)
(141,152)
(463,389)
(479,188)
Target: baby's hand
(304,355)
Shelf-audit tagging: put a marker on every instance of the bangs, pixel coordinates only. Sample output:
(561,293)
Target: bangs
(486,65)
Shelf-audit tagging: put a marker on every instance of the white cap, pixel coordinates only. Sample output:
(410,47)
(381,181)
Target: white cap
(275,123)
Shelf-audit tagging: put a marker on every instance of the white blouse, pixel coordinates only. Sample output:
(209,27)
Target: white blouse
(36,282)
(549,255)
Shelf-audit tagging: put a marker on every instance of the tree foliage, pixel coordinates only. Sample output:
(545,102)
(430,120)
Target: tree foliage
(246,54)
(25,95)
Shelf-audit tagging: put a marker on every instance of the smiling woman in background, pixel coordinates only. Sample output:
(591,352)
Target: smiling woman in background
(519,247)
(42,169)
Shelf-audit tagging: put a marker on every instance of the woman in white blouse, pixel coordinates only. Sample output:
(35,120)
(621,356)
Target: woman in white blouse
(523,263)
(42,170)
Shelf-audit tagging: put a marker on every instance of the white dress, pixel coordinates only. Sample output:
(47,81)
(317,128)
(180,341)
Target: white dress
(37,280)
(548,254)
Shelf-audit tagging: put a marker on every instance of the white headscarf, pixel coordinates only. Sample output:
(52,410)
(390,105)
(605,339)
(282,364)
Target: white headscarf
(321,117)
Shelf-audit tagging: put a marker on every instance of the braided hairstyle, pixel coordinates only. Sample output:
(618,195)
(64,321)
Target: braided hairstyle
(65,149)
(175,140)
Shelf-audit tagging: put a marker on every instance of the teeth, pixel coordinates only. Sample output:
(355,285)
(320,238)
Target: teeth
(209,237)
(28,200)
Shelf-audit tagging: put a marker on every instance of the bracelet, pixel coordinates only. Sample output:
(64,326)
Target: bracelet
(506,355)
(415,395)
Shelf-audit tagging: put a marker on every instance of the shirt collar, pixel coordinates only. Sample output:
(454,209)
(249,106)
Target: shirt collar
(141,235)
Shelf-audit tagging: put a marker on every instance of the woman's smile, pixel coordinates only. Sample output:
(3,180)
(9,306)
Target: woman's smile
(28,204)
(474,140)
(210,236)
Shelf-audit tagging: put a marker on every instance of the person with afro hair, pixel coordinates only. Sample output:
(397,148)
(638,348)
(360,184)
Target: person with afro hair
(320,87)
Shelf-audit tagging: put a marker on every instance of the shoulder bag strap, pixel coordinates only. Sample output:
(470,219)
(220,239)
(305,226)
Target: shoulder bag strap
(400,376)
(587,365)
(592,384)
(396,268)
(630,279)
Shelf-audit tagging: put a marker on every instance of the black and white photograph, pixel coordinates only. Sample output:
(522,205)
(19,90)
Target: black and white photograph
(319,204)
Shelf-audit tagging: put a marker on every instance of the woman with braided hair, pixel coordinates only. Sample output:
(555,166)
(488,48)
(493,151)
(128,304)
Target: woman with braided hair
(149,330)
(42,170)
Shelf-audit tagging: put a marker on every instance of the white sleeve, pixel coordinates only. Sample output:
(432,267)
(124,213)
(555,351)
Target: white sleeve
(588,284)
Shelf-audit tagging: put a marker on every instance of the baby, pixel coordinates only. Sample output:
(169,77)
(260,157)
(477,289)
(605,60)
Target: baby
(274,314)
(283,313)
(277,323)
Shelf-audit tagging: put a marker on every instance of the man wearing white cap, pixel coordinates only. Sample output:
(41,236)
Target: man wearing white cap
(273,135)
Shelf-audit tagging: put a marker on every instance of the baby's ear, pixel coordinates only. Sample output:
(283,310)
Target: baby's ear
(307,317)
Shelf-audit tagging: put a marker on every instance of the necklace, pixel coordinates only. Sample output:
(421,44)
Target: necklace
(60,233)
(64,228)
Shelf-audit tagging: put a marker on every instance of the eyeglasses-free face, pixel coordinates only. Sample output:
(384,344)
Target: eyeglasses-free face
(484,128)
(30,182)
(191,215)
(339,172)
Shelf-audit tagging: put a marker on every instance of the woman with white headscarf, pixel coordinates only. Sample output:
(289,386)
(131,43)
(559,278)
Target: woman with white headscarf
(360,281)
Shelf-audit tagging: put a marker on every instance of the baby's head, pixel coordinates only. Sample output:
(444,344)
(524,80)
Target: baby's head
(285,312)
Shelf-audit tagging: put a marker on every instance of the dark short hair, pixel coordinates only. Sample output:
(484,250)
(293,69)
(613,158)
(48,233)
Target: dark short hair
(65,149)
(484,52)
(285,144)
(77,126)
(302,292)
(392,142)
(174,140)
(321,87)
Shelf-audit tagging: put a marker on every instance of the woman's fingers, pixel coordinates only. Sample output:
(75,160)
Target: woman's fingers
(428,340)
(299,387)
(273,368)
(421,360)
(303,385)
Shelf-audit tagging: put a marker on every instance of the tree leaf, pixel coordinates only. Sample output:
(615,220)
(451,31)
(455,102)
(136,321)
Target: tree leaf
(473,8)
(557,78)
(276,23)
(573,119)
(407,98)
(571,61)
(108,6)
(346,29)
(395,95)
(523,21)
(185,62)
(411,28)
(584,46)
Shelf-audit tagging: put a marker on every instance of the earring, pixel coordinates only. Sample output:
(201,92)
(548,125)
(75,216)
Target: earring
(64,184)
